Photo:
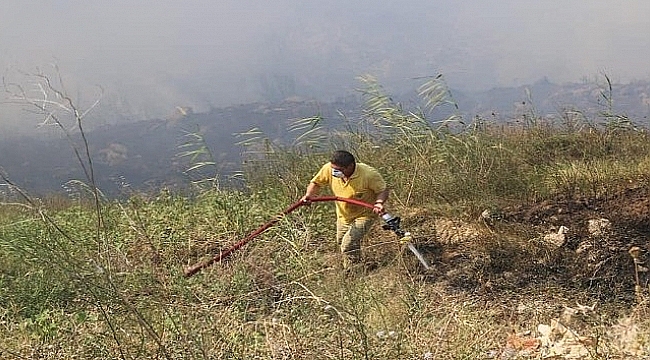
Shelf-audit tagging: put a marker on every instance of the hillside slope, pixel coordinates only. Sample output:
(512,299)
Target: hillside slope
(142,155)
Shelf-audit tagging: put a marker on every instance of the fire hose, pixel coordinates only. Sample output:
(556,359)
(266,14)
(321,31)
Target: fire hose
(390,223)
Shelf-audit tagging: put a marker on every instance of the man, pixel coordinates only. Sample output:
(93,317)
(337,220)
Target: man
(349,179)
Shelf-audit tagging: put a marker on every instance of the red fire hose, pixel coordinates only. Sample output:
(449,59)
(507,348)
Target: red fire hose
(223,254)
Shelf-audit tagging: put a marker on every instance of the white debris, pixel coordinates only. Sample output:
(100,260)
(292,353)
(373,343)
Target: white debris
(557,239)
(598,227)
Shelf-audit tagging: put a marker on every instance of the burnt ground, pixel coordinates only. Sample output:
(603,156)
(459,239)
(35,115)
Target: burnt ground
(509,252)
(628,208)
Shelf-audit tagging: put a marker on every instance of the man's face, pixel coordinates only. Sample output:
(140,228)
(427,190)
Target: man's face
(346,170)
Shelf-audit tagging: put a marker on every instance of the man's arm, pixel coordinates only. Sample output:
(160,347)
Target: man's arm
(379,203)
(312,190)
(382,196)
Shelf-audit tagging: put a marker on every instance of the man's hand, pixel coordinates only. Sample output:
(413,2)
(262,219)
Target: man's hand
(378,208)
(379,202)
(306,199)
(312,190)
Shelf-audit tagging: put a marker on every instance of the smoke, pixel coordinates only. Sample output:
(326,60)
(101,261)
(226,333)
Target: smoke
(150,56)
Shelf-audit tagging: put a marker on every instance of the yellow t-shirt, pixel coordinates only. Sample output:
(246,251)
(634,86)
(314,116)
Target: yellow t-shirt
(364,184)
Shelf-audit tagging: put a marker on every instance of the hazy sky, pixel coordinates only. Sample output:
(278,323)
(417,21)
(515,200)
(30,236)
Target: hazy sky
(151,56)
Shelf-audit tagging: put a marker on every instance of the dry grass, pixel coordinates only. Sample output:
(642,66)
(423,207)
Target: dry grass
(491,292)
(478,201)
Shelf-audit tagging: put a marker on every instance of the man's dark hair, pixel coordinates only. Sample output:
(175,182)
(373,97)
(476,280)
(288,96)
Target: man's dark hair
(342,158)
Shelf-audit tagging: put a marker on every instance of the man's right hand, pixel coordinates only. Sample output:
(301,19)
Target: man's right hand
(312,189)
(306,199)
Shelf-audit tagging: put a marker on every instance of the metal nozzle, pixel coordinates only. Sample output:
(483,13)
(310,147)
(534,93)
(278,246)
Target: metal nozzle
(392,223)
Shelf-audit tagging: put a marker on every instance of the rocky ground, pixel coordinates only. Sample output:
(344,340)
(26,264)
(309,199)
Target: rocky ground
(594,246)
(571,273)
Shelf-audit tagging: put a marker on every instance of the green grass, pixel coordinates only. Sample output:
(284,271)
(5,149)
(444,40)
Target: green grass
(75,287)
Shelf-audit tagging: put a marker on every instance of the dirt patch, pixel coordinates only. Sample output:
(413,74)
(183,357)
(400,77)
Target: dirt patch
(627,208)
(521,249)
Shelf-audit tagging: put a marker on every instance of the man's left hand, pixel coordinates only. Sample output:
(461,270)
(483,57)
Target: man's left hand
(378,208)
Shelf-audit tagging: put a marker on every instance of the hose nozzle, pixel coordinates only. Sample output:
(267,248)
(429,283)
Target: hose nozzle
(392,223)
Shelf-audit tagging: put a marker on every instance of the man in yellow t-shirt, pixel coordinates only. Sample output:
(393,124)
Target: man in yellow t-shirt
(350,179)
